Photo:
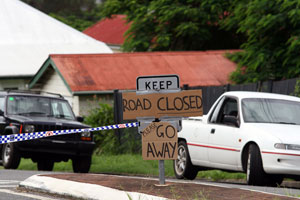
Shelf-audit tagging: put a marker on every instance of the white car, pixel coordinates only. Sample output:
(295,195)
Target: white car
(253,132)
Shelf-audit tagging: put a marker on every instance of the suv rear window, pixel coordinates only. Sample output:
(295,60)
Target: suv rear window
(30,105)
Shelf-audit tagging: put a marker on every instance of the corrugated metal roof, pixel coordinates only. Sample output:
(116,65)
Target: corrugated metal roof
(28,36)
(109,30)
(104,72)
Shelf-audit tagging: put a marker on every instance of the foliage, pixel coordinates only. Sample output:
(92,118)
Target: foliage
(297,89)
(66,6)
(272,47)
(163,25)
(107,142)
(131,141)
(80,14)
(77,23)
(103,116)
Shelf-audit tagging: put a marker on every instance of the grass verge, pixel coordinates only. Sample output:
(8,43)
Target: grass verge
(131,164)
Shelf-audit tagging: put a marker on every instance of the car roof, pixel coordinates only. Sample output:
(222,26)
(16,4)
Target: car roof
(247,94)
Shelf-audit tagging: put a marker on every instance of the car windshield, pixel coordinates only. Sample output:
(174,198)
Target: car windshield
(39,106)
(271,111)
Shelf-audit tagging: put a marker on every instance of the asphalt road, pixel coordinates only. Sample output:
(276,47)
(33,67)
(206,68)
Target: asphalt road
(9,180)
(285,189)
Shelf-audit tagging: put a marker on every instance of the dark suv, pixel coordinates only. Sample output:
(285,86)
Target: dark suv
(24,112)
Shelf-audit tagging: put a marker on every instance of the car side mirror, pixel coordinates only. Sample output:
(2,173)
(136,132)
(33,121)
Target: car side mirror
(79,119)
(231,120)
(1,113)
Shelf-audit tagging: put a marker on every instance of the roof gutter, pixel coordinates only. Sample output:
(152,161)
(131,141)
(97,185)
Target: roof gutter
(98,92)
(16,76)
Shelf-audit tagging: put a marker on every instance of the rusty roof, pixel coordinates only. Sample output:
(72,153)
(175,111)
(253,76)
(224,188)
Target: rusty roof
(109,30)
(106,72)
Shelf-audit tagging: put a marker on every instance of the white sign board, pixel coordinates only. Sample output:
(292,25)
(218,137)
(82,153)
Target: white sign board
(157,83)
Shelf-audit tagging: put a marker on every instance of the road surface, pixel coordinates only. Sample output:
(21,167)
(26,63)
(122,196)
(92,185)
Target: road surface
(9,181)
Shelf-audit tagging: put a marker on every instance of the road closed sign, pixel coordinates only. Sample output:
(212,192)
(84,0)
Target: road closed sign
(184,104)
(159,142)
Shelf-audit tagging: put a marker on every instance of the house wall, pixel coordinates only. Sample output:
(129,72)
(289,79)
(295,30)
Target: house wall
(89,102)
(14,83)
(115,48)
(55,84)
(81,104)
(52,82)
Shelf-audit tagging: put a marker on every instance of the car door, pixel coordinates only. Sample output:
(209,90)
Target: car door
(224,141)
(198,142)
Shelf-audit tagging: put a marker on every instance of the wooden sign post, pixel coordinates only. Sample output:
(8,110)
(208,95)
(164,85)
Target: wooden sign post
(160,98)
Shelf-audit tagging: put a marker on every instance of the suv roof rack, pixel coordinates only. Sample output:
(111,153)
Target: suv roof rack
(34,92)
(52,93)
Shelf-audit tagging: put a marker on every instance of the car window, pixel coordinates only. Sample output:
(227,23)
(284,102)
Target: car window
(271,111)
(32,106)
(61,109)
(214,115)
(228,108)
(28,105)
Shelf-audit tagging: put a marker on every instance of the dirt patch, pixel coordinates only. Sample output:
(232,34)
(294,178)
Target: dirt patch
(184,191)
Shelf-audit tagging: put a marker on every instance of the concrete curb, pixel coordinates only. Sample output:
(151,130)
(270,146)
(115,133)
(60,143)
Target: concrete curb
(81,190)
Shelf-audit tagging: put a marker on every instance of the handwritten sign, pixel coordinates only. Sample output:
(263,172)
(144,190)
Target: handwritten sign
(184,104)
(159,142)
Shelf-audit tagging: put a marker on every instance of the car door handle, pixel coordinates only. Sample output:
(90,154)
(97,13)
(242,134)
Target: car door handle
(212,131)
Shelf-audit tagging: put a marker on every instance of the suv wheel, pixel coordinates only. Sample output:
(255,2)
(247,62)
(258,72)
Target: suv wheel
(45,165)
(82,164)
(10,156)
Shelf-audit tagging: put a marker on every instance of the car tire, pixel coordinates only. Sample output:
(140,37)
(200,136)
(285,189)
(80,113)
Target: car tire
(45,165)
(10,156)
(255,172)
(81,164)
(183,167)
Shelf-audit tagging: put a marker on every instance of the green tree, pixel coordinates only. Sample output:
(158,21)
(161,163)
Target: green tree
(80,14)
(74,7)
(271,51)
(162,25)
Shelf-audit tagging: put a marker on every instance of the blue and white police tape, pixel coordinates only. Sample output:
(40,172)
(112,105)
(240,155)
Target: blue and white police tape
(36,135)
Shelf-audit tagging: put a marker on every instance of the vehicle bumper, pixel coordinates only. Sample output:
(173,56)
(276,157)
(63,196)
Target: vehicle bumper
(281,162)
(56,147)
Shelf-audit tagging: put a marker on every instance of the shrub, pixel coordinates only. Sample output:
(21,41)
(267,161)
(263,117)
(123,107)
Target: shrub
(107,142)
(297,89)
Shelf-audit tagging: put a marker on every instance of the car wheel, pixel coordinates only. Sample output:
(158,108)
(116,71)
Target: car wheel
(45,165)
(183,167)
(255,172)
(82,164)
(10,156)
